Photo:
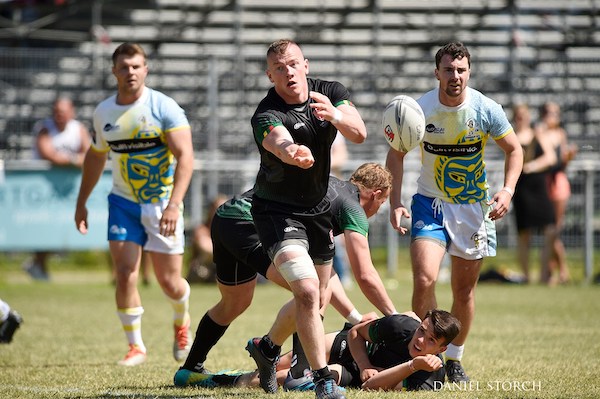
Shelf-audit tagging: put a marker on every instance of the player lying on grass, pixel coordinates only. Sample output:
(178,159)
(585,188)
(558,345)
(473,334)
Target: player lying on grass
(398,352)
(239,257)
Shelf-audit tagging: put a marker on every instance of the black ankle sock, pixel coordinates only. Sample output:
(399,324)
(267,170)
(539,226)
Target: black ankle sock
(268,348)
(322,374)
(299,360)
(207,335)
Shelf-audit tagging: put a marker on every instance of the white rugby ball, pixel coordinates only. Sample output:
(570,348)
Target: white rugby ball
(403,123)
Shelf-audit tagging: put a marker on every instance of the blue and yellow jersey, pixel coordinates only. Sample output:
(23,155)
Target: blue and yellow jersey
(452,151)
(135,134)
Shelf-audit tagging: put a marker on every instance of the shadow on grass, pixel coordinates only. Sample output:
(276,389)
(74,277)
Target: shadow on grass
(171,392)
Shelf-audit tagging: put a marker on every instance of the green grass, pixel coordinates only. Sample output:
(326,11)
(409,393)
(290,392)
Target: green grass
(535,337)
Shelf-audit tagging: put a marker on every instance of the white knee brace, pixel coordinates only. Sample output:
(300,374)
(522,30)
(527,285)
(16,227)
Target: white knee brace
(298,268)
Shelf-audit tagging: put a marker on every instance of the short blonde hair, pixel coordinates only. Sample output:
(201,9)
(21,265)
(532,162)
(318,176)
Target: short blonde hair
(372,176)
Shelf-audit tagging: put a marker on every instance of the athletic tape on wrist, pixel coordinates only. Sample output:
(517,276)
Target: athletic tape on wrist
(337,116)
(354,317)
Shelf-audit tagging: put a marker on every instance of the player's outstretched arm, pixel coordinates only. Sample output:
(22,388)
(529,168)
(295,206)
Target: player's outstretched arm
(279,142)
(367,277)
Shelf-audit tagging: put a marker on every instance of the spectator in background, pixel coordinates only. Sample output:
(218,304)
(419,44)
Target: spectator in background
(62,140)
(559,188)
(533,208)
(10,320)
(202,268)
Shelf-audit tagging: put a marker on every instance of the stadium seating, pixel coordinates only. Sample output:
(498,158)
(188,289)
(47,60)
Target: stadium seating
(209,55)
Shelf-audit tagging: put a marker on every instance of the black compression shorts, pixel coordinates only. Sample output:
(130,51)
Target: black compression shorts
(275,223)
(237,251)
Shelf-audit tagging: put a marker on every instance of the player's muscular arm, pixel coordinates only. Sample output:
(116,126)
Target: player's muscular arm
(367,277)
(281,144)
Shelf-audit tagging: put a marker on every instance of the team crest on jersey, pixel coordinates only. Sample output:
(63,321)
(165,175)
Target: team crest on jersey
(472,130)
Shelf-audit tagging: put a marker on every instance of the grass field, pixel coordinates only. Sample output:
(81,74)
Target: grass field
(526,342)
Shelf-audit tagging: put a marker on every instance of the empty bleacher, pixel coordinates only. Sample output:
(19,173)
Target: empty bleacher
(209,56)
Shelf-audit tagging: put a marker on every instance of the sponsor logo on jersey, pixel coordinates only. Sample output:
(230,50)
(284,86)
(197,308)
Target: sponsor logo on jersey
(108,127)
(435,130)
(290,229)
(135,145)
(452,150)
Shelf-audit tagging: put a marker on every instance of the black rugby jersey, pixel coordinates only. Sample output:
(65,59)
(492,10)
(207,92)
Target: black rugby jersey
(278,181)
(389,339)
(346,212)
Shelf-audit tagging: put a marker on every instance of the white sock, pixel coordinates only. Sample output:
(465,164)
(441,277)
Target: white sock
(454,352)
(131,319)
(4,311)
(181,307)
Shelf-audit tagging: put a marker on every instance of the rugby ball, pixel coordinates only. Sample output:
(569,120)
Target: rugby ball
(403,123)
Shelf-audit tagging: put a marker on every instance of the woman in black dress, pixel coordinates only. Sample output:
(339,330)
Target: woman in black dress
(533,209)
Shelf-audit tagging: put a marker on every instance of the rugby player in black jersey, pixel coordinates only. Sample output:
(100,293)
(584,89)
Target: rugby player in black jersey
(239,256)
(397,352)
(294,127)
